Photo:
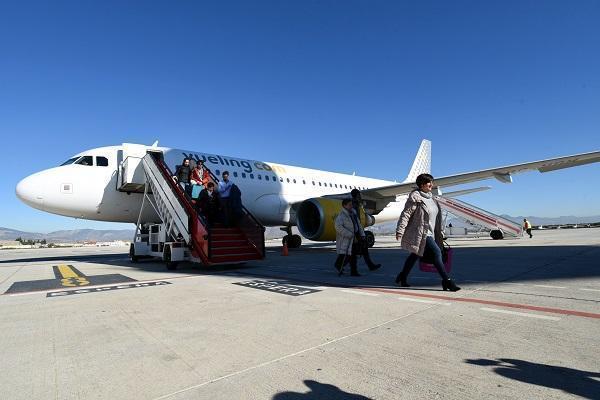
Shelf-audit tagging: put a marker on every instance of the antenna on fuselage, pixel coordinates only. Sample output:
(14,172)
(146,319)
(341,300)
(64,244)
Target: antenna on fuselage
(155,144)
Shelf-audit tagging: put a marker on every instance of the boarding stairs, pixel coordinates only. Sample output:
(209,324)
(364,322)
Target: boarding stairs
(182,223)
(499,226)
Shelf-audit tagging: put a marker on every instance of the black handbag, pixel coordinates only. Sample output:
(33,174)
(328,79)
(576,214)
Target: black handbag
(429,255)
(358,245)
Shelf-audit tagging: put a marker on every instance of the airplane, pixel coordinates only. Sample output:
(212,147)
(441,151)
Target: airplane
(107,184)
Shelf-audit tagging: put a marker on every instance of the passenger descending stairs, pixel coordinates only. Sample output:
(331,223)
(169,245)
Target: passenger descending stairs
(217,245)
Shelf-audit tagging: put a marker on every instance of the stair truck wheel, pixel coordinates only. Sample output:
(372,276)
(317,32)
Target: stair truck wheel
(370,238)
(496,234)
(171,265)
(132,257)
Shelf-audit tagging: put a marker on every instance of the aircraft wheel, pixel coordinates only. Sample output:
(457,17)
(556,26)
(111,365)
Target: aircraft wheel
(132,257)
(171,265)
(296,241)
(496,234)
(370,238)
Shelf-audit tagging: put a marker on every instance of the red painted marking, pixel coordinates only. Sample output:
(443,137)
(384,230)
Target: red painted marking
(488,302)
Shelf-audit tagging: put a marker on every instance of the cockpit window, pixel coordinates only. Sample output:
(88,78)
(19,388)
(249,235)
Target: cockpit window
(69,161)
(102,161)
(86,160)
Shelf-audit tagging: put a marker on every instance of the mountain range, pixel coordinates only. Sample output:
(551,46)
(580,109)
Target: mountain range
(75,235)
(78,235)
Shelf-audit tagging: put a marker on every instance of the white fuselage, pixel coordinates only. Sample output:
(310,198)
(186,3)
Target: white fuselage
(268,189)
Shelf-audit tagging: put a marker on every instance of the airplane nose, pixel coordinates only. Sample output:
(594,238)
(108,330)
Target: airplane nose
(30,191)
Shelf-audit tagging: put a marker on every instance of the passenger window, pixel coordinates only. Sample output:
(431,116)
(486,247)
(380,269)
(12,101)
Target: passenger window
(303,181)
(259,177)
(243,175)
(288,180)
(294,181)
(314,183)
(280,179)
(319,183)
(102,161)
(86,160)
(251,176)
(234,174)
(217,172)
(274,179)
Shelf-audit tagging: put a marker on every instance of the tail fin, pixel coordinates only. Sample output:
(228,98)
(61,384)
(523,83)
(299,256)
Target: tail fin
(422,163)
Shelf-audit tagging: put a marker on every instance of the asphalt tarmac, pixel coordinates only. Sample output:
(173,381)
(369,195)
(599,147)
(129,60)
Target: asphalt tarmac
(85,323)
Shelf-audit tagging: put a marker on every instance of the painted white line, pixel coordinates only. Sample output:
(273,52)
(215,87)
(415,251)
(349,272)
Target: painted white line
(550,286)
(512,283)
(521,314)
(359,292)
(422,301)
(590,290)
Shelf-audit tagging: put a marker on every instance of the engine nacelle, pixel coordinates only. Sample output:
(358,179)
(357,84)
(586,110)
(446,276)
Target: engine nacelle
(316,218)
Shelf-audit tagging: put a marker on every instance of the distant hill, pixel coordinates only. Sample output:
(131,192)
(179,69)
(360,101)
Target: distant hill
(78,235)
(75,235)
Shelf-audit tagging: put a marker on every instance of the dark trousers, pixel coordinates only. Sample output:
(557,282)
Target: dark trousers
(529,232)
(226,211)
(367,257)
(343,259)
(438,263)
(187,188)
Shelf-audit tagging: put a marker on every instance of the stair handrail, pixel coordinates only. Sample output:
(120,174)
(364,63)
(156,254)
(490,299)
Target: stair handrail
(193,217)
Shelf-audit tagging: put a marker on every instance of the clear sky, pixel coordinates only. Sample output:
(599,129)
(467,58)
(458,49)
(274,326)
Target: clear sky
(336,85)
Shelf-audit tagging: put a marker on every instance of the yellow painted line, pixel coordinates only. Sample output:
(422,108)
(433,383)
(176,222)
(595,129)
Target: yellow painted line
(67,272)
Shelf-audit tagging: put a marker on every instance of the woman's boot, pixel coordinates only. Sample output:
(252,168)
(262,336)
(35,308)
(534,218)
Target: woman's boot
(448,284)
(401,280)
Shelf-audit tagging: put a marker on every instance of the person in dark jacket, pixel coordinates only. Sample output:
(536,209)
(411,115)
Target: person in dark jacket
(235,204)
(358,207)
(209,203)
(182,176)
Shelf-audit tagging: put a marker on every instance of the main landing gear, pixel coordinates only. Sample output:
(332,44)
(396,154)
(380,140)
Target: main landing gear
(293,241)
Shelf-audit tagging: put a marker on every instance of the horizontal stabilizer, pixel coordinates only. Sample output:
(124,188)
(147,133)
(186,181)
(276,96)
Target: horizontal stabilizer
(466,191)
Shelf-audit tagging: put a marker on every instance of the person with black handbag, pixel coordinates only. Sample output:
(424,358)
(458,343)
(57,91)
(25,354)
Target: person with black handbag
(419,231)
(358,209)
(348,236)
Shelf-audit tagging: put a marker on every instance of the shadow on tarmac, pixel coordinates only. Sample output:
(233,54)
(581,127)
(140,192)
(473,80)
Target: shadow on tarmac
(569,380)
(483,264)
(319,391)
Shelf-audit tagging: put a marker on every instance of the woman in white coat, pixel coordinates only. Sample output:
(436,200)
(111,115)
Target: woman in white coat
(347,230)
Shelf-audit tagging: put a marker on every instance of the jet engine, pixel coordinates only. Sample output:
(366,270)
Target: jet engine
(316,218)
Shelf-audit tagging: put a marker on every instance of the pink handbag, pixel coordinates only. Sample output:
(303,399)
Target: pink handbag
(426,267)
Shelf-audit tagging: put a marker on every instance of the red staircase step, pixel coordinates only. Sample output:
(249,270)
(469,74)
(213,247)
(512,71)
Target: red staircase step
(234,258)
(228,243)
(222,251)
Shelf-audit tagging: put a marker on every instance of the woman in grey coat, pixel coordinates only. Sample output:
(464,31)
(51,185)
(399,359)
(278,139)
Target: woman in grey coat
(420,227)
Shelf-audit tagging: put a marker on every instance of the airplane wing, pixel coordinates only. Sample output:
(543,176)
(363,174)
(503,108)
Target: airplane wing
(503,174)
(376,199)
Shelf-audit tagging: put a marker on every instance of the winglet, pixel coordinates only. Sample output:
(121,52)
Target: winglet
(422,163)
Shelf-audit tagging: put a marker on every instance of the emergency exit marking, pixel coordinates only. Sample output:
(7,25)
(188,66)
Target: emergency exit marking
(277,287)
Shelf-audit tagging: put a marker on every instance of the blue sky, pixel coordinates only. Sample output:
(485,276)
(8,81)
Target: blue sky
(344,86)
